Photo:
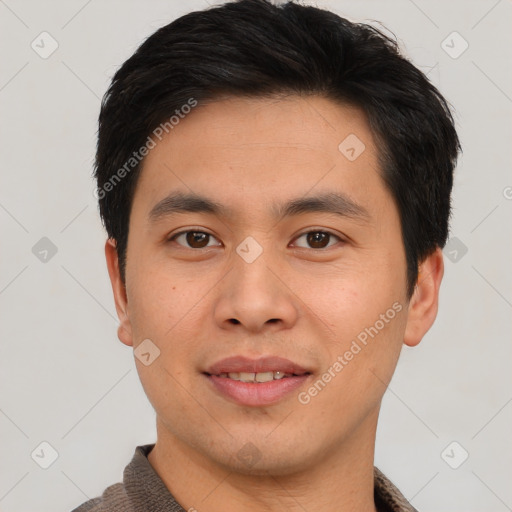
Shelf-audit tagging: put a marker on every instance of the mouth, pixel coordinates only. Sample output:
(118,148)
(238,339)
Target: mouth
(259,377)
(256,382)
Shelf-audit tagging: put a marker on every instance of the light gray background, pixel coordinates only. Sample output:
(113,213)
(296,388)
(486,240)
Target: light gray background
(67,380)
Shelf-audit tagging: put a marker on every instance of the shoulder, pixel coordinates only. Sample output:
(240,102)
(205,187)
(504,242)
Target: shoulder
(387,496)
(113,499)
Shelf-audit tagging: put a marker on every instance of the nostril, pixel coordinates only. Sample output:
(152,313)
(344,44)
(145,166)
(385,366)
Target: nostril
(234,321)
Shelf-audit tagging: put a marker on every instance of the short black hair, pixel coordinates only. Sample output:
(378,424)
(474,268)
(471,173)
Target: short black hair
(254,48)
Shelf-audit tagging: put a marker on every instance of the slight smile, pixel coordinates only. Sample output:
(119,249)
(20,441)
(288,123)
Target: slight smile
(256,382)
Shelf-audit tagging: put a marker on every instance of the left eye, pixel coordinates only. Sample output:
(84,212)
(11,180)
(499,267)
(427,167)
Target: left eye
(194,239)
(318,239)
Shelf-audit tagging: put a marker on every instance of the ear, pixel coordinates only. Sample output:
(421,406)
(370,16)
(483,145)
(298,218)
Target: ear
(424,302)
(124,331)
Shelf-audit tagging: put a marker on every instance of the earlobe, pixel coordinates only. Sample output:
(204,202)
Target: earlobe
(124,331)
(424,302)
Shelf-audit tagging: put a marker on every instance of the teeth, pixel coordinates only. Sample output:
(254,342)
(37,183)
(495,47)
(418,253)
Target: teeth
(264,377)
(246,377)
(255,377)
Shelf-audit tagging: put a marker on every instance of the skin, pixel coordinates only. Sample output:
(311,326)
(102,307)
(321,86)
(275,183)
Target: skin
(295,300)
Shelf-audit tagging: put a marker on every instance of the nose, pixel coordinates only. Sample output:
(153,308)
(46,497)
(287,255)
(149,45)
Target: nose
(256,297)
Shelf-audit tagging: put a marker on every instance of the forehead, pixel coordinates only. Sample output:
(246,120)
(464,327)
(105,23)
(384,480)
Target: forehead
(310,122)
(238,149)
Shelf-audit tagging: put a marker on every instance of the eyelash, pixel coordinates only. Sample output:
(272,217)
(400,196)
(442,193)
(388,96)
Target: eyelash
(176,235)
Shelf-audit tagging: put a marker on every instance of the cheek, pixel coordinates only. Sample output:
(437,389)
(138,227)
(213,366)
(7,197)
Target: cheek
(170,311)
(359,366)
(158,302)
(366,316)
(350,297)
(162,310)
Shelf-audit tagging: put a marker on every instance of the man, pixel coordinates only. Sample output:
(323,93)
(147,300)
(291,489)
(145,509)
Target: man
(275,182)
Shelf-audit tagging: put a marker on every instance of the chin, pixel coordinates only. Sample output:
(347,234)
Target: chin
(262,458)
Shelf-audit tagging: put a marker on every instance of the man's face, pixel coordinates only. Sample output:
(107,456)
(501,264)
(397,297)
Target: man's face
(306,287)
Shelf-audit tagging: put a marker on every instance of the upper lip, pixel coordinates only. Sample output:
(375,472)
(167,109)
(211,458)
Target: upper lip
(239,364)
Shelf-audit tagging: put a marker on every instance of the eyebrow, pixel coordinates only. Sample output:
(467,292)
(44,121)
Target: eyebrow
(332,202)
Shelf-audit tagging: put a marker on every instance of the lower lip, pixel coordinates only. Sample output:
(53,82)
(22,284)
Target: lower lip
(257,394)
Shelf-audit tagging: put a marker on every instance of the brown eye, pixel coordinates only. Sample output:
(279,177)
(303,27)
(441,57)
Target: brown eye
(193,239)
(318,239)
(197,239)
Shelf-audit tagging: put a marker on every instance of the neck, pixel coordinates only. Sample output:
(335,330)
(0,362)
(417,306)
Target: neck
(342,480)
